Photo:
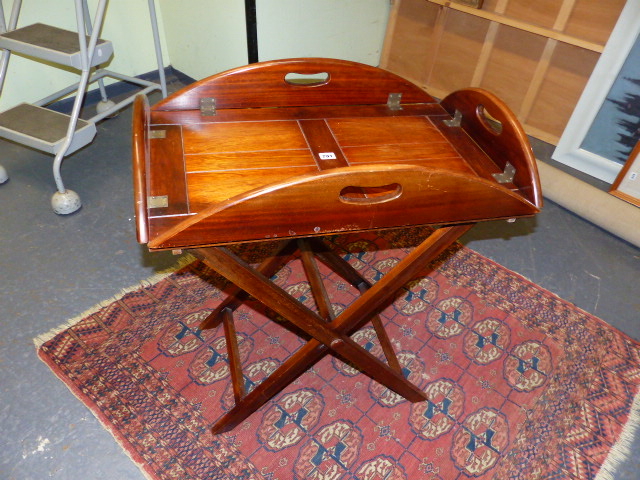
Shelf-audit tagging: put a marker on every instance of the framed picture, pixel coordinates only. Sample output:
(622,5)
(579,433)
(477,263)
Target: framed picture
(627,184)
(604,126)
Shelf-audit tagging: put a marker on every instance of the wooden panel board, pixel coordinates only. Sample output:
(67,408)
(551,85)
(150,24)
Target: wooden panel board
(208,188)
(594,20)
(383,131)
(437,155)
(416,140)
(410,43)
(212,162)
(535,55)
(214,176)
(491,5)
(407,140)
(169,177)
(538,12)
(512,64)
(566,77)
(323,144)
(460,47)
(242,136)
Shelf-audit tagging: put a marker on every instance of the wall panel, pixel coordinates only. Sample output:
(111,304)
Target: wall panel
(537,56)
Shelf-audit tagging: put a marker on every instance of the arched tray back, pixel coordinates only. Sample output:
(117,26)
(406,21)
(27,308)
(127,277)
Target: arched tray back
(268,84)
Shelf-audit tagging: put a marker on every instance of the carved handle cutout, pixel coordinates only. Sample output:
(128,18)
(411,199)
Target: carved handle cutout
(307,79)
(491,123)
(370,195)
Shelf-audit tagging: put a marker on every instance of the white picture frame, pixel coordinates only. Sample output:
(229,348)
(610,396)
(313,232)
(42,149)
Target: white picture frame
(569,150)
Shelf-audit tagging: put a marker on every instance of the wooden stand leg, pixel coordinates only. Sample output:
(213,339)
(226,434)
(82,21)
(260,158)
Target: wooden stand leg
(326,337)
(346,271)
(315,281)
(235,295)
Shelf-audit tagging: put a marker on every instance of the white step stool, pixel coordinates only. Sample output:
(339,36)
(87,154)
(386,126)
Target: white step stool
(52,132)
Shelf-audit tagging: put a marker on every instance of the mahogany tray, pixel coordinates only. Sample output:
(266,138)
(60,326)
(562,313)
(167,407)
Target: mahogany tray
(303,147)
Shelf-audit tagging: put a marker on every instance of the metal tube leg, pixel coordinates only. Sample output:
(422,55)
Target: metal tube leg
(13,21)
(4,63)
(75,114)
(66,201)
(156,42)
(104,104)
(63,201)
(89,29)
(57,177)
(103,91)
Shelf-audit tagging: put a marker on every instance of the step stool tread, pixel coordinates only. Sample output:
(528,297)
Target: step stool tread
(48,37)
(38,122)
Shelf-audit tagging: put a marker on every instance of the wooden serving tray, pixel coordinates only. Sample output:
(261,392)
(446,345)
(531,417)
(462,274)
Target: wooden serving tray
(250,155)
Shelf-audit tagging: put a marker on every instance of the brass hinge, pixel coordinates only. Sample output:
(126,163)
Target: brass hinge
(456,121)
(158,134)
(158,201)
(207,106)
(507,175)
(393,101)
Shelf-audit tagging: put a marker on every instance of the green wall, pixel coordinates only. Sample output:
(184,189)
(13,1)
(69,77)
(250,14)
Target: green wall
(126,24)
(209,36)
(350,30)
(203,37)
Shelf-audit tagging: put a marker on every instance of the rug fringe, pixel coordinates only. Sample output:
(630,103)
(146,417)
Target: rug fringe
(152,280)
(41,339)
(622,450)
(108,426)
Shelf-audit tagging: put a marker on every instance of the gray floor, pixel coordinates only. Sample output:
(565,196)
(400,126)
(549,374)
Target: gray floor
(54,268)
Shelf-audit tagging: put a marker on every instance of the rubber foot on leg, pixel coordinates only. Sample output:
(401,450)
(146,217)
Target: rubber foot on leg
(104,105)
(64,203)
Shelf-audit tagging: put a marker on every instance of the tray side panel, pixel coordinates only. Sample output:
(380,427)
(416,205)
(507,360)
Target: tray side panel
(319,204)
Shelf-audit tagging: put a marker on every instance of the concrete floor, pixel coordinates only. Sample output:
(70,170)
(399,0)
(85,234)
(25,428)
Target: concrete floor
(53,268)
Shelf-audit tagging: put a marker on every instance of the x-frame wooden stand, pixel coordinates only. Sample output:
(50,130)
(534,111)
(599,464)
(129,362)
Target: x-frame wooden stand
(329,334)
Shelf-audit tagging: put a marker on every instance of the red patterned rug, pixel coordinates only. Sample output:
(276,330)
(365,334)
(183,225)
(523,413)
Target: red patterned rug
(522,384)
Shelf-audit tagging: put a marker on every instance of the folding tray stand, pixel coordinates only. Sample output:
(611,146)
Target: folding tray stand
(303,148)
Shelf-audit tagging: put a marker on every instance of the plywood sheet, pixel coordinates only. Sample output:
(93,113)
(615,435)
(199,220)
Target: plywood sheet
(566,77)
(539,12)
(460,47)
(411,40)
(538,65)
(512,64)
(491,5)
(594,20)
